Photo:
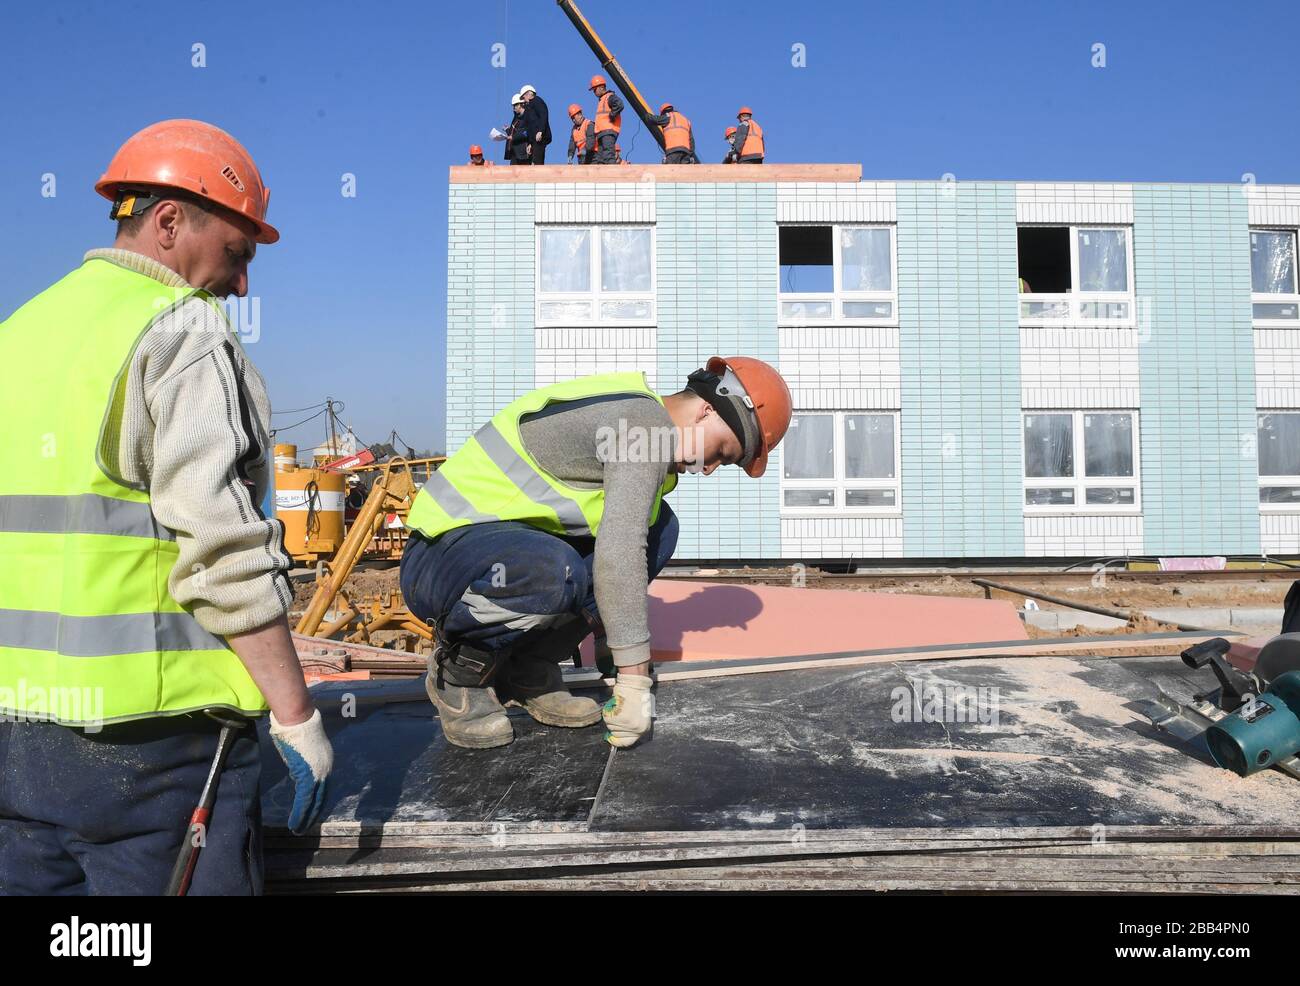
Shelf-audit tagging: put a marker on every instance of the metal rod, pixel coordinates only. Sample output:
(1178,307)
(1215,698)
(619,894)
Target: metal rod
(610,64)
(1116,614)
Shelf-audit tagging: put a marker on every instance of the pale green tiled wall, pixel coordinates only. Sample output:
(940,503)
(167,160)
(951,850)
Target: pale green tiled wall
(717,278)
(490,262)
(1191,251)
(960,363)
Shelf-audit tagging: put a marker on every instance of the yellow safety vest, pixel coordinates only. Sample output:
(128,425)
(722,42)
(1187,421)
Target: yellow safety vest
(89,632)
(492,477)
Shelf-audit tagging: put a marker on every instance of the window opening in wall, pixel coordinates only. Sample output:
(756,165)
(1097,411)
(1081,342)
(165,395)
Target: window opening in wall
(807,258)
(1075,274)
(1279,460)
(1081,460)
(842,459)
(1274,296)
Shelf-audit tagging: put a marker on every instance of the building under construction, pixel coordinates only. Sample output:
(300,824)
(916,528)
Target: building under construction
(986,369)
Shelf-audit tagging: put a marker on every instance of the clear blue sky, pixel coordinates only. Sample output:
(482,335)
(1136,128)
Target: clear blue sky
(353,296)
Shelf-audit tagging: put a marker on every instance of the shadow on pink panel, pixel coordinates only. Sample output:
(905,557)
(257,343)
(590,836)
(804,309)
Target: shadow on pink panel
(711,621)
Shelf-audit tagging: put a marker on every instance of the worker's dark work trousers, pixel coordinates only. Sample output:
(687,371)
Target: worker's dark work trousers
(504,585)
(679,157)
(105,812)
(539,154)
(605,148)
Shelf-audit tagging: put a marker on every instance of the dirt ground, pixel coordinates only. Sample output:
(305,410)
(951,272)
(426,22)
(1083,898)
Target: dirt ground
(1090,588)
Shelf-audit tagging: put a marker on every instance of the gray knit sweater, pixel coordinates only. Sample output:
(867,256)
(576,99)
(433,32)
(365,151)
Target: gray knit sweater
(570,440)
(194,430)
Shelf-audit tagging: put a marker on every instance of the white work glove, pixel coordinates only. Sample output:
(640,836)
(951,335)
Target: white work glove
(631,710)
(307,752)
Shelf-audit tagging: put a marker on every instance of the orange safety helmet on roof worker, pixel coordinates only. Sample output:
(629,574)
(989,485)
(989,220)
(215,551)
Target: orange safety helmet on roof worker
(475,149)
(664,108)
(742,111)
(597,80)
(195,157)
(728,133)
(761,389)
(574,108)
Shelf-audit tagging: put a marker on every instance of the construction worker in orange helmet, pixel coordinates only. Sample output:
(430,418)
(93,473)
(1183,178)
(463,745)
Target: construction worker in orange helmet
(750,148)
(609,121)
(729,135)
(476,156)
(582,140)
(154,560)
(679,140)
(613,449)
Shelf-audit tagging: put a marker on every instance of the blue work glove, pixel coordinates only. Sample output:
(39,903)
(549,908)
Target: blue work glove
(306,751)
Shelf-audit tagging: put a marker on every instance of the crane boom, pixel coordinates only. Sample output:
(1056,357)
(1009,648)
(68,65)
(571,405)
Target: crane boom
(610,64)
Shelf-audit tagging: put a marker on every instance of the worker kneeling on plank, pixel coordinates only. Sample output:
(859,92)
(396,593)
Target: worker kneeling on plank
(140,584)
(548,525)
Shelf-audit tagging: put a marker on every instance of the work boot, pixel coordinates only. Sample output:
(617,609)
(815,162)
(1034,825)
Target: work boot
(536,685)
(459,685)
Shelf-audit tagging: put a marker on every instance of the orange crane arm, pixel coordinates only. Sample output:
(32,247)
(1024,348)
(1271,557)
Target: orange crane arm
(610,64)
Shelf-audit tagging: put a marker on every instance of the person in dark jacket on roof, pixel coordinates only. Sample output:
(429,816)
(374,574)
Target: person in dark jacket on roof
(537,123)
(519,150)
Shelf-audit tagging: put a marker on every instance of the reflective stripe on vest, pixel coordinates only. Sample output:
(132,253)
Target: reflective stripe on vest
(677,135)
(492,477)
(753,141)
(605,122)
(89,631)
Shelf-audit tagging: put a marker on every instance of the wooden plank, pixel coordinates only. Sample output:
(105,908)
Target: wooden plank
(578,833)
(990,650)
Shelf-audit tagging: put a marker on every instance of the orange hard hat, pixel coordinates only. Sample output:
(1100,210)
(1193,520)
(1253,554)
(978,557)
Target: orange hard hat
(743,110)
(597,80)
(475,149)
(729,132)
(665,106)
(574,108)
(195,157)
(755,385)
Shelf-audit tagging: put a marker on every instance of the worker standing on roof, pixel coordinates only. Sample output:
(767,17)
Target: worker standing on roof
(140,582)
(582,142)
(476,157)
(548,524)
(749,138)
(519,149)
(679,141)
(729,135)
(537,121)
(609,121)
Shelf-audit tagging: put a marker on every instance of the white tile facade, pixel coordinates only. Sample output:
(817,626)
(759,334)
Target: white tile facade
(562,354)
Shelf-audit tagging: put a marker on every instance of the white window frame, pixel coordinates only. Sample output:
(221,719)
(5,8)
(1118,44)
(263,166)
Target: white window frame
(840,483)
(1276,508)
(1081,483)
(838,296)
(595,296)
(1264,298)
(1075,299)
